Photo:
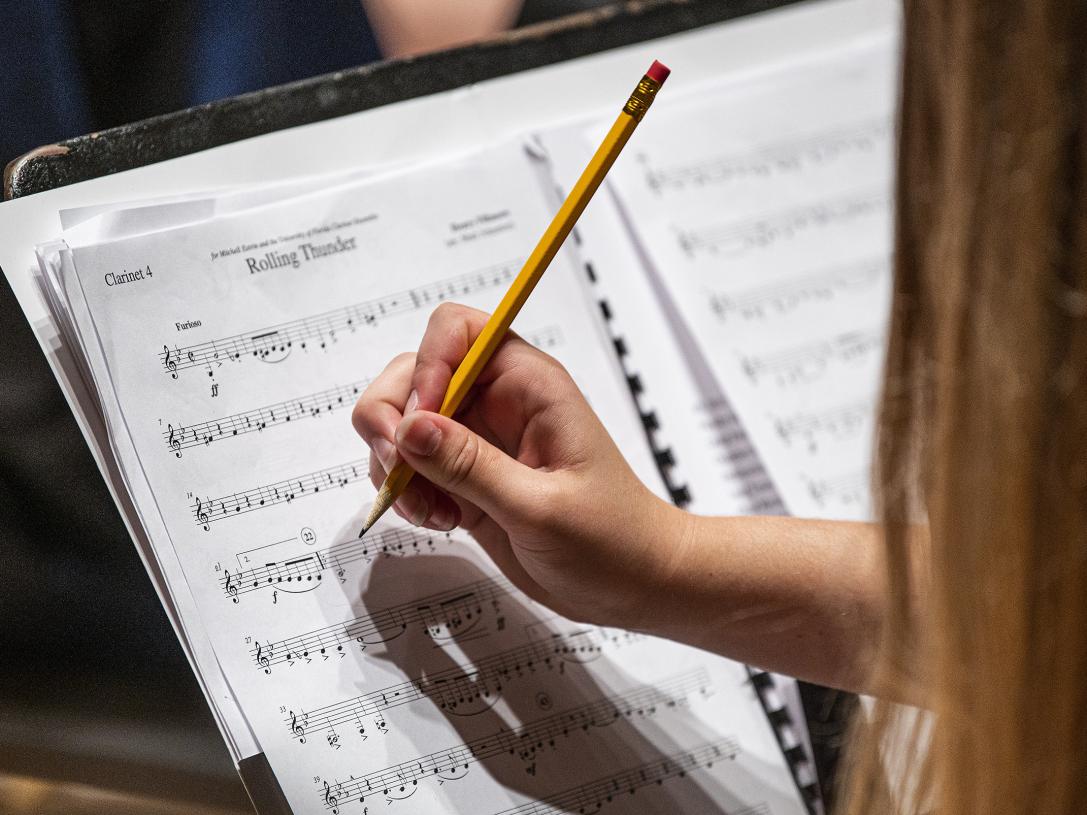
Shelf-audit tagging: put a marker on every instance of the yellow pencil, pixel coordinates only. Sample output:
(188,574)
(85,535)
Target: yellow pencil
(499,322)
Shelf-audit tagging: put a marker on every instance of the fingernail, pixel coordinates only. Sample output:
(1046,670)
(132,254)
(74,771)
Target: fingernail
(412,507)
(413,402)
(442,518)
(385,451)
(419,435)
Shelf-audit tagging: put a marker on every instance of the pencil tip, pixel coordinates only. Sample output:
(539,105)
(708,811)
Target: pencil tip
(382,502)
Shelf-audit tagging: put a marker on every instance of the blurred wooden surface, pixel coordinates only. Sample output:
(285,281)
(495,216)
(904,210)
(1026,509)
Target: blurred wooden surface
(20,795)
(113,740)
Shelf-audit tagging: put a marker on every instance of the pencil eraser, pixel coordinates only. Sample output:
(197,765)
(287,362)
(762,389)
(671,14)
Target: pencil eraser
(658,71)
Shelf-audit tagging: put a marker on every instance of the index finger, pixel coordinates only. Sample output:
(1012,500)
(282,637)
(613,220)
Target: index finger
(449,334)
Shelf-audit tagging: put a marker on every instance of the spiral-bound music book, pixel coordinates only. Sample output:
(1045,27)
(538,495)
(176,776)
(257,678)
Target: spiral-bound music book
(721,305)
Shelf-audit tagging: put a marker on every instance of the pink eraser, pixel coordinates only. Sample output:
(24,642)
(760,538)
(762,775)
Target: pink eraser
(658,72)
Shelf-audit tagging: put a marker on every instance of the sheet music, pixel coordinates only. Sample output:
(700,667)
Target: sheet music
(398,670)
(763,208)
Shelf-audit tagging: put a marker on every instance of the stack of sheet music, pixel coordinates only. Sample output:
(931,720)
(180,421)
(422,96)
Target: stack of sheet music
(722,307)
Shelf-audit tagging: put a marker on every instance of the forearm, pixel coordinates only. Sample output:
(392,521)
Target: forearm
(800,597)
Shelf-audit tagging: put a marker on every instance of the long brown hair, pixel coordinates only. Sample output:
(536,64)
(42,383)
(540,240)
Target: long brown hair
(984,420)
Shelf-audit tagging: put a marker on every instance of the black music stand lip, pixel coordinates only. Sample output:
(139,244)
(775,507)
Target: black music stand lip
(320,98)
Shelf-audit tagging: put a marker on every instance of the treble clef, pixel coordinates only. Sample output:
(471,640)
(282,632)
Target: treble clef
(330,799)
(297,728)
(201,516)
(174,442)
(231,589)
(170,362)
(263,661)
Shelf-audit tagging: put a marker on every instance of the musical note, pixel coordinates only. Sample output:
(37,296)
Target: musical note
(468,691)
(465,602)
(527,741)
(735,238)
(310,567)
(790,157)
(275,343)
(281,492)
(264,347)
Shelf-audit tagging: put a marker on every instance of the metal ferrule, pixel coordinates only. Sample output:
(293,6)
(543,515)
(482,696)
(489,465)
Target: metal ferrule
(642,98)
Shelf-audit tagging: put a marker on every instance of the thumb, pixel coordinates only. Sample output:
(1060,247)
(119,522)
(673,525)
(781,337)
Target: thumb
(462,463)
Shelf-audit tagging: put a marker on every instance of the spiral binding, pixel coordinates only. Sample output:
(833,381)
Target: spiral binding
(781,720)
(663,456)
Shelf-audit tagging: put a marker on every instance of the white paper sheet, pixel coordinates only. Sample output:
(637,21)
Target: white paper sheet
(764,211)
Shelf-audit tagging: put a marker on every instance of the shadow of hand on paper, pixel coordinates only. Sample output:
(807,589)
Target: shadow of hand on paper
(534,701)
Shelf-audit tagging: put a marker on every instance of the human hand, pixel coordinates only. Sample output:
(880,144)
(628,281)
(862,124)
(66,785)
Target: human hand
(526,467)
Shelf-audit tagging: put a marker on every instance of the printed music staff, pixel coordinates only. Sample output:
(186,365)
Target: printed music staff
(790,157)
(784,298)
(527,742)
(594,796)
(275,343)
(848,488)
(207,511)
(810,429)
(737,237)
(306,569)
(468,690)
(451,612)
(313,405)
(809,361)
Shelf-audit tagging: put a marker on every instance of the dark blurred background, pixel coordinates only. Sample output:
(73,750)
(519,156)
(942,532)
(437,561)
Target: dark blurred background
(94,688)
